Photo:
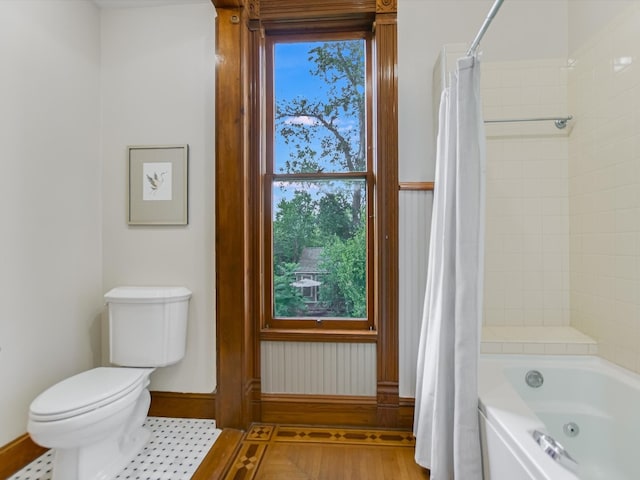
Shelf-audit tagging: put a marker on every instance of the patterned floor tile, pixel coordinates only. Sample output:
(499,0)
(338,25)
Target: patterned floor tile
(247,460)
(176,448)
(260,432)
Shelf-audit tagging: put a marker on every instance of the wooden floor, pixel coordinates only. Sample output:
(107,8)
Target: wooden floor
(277,452)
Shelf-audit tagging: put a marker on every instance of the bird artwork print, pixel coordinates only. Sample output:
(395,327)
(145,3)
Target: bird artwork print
(156,181)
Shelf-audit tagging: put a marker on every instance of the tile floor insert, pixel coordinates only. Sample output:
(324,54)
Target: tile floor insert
(174,452)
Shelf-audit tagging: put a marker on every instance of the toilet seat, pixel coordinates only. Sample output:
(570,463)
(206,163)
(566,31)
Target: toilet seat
(86,391)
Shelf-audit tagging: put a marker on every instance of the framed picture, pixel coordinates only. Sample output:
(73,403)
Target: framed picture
(158,185)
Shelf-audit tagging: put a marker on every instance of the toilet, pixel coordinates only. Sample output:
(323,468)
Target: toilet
(93,420)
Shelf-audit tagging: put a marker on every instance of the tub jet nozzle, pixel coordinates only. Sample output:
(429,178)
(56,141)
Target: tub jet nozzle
(534,378)
(571,429)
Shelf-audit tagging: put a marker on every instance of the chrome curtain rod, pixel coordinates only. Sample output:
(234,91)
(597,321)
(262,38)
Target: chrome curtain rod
(487,21)
(560,122)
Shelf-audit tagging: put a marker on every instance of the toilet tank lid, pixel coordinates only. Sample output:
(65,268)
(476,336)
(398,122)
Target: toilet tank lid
(147,294)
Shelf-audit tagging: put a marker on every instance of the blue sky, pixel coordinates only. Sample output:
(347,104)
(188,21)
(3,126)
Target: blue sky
(293,79)
(292,70)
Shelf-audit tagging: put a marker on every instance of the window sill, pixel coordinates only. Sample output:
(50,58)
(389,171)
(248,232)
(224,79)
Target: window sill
(318,335)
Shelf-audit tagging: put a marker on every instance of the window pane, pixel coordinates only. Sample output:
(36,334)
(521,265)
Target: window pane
(319,90)
(319,249)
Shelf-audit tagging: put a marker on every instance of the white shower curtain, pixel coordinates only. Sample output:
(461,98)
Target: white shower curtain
(446,416)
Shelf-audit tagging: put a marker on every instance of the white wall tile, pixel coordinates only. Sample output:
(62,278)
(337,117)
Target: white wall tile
(533,348)
(512,348)
(491,347)
(604,188)
(555,348)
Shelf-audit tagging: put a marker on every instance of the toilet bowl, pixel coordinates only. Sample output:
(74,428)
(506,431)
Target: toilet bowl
(93,420)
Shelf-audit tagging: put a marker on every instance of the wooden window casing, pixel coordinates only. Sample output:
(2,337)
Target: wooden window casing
(240,31)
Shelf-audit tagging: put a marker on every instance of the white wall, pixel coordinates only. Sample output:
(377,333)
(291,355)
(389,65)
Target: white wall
(587,17)
(50,206)
(77,86)
(158,89)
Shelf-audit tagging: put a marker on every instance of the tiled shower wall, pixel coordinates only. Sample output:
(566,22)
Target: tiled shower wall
(604,187)
(527,213)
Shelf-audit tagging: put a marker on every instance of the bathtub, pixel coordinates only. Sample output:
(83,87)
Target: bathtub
(586,404)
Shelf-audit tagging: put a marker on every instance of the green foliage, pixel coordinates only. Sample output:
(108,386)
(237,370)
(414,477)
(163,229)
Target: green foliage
(294,227)
(302,222)
(289,300)
(345,287)
(333,216)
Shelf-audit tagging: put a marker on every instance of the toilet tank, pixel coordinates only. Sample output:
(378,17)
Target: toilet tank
(147,325)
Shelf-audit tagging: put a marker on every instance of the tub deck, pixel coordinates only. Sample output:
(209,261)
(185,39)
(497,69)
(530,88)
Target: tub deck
(598,396)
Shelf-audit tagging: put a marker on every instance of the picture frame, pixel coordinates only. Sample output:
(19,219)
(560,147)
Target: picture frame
(158,185)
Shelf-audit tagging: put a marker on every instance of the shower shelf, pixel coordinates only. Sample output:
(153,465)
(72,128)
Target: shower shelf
(552,340)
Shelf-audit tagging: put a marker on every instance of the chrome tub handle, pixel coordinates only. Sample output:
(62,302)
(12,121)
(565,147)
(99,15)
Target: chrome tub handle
(555,450)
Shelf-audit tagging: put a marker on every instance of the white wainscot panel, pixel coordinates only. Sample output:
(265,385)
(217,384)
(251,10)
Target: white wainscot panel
(414,225)
(319,368)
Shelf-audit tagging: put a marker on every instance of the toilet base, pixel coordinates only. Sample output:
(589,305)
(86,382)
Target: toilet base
(101,461)
(104,459)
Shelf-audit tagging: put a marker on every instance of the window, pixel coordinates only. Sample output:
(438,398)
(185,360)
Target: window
(318,182)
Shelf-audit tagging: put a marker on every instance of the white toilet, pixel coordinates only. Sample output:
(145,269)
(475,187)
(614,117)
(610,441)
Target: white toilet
(94,419)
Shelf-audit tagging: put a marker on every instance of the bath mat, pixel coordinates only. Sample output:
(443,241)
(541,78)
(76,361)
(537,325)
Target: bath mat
(176,449)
